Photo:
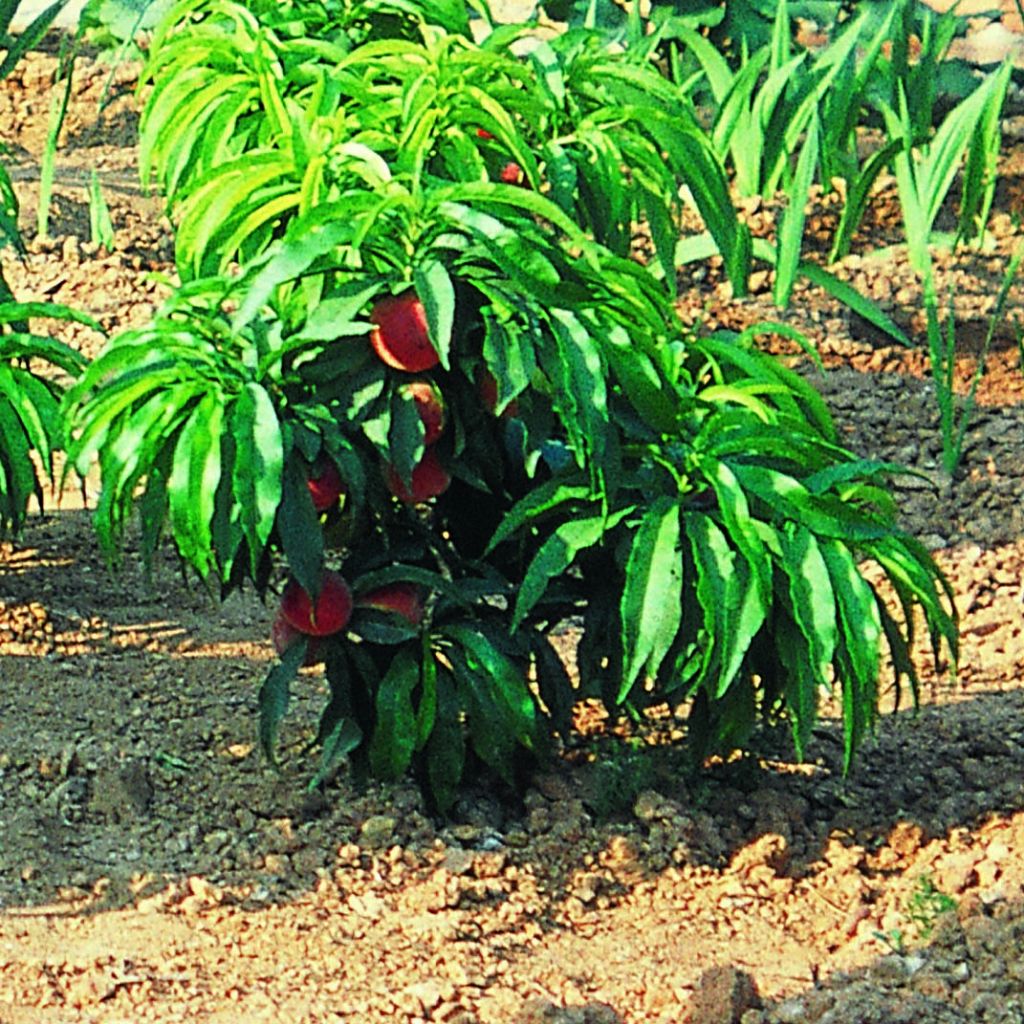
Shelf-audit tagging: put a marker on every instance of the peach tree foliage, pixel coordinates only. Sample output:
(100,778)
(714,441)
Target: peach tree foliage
(684,497)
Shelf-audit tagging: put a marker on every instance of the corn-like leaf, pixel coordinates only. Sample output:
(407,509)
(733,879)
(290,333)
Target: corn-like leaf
(980,170)
(860,304)
(791,226)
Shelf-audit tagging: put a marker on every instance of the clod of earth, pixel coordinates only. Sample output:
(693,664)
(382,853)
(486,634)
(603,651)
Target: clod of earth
(329,614)
(325,486)
(430,406)
(429,479)
(400,336)
(403,599)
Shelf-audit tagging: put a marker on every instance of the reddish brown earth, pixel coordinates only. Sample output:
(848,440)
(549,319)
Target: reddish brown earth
(152,866)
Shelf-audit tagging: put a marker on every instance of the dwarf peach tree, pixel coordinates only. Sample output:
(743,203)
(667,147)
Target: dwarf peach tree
(463,414)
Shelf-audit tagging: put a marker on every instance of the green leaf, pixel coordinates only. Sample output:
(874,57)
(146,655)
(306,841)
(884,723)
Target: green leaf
(732,608)
(555,555)
(541,500)
(860,304)
(860,633)
(341,739)
(275,695)
(259,461)
(811,597)
(405,435)
(298,524)
(497,683)
(651,606)
(395,733)
(791,225)
(446,748)
(194,480)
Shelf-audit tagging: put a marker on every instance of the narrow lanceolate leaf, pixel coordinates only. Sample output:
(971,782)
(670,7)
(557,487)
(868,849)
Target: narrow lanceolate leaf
(583,401)
(651,605)
(811,596)
(556,554)
(732,606)
(435,290)
(259,460)
(195,476)
(275,694)
(540,500)
(299,527)
(395,733)
(341,739)
(801,683)
(446,748)
(499,685)
(858,649)
(738,523)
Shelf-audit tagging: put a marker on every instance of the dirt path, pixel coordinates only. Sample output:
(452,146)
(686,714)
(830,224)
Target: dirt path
(153,868)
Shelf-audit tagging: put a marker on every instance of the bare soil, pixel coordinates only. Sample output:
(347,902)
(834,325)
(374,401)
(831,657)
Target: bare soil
(153,867)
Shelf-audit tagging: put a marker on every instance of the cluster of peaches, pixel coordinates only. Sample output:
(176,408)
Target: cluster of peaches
(400,339)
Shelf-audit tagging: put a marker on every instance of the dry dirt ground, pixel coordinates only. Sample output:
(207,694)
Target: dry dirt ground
(153,868)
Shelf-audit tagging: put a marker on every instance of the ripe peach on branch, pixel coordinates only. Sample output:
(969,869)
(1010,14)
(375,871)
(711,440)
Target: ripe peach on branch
(429,479)
(329,614)
(399,336)
(325,485)
(285,636)
(403,599)
(429,406)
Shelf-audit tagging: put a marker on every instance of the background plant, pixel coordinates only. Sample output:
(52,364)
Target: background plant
(31,429)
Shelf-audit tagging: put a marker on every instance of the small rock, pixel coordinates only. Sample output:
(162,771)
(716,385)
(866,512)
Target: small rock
(458,861)
(378,830)
(541,1011)
(122,794)
(723,994)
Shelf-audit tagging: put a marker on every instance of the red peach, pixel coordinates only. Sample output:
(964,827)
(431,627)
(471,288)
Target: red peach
(512,174)
(429,479)
(285,635)
(430,406)
(399,336)
(403,599)
(487,388)
(325,486)
(331,612)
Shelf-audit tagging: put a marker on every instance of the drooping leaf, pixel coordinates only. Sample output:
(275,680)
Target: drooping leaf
(651,609)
